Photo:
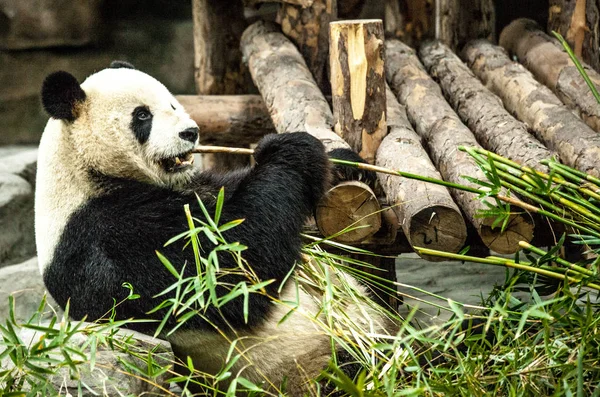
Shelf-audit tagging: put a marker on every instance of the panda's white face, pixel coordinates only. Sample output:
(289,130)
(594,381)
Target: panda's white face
(131,126)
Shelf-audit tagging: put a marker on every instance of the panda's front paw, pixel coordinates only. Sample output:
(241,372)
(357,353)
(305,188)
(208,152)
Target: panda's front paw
(300,154)
(348,173)
(298,149)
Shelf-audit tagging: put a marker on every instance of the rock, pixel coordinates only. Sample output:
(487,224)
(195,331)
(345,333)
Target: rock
(112,373)
(48,23)
(17,186)
(24,282)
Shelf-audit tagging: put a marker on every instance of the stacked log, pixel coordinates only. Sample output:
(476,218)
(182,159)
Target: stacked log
(289,91)
(426,212)
(296,103)
(533,103)
(441,128)
(552,66)
(482,111)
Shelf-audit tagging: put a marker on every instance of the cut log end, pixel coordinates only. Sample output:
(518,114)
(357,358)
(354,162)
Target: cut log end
(438,227)
(349,213)
(519,228)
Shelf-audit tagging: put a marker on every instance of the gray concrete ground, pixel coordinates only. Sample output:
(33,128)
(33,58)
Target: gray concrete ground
(462,282)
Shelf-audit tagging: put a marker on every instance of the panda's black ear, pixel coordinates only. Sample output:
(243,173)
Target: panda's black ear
(121,64)
(61,95)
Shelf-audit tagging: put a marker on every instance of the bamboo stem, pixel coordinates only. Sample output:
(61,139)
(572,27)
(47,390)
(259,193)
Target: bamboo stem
(560,261)
(222,149)
(526,266)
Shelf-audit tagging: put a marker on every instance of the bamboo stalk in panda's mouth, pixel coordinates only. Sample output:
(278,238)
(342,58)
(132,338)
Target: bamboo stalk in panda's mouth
(222,149)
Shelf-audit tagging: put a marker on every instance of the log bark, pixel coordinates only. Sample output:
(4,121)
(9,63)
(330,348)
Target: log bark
(533,103)
(308,28)
(552,66)
(358,84)
(578,21)
(218,26)
(293,98)
(426,212)
(228,120)
(441,128)
(481,110)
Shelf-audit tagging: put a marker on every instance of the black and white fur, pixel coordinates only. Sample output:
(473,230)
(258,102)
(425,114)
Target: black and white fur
(109,194)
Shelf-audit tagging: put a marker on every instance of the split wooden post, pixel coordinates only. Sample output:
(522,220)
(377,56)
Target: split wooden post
(533,103)
(296,103)
(441,128)
(578,21)
(550,64)
(428,215)
(356,62)
(307,26)
(480,109)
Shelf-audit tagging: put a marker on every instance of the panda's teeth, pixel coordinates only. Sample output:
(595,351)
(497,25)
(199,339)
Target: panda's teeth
(177,161)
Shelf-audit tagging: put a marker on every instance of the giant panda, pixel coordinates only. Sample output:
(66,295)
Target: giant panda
(114,173)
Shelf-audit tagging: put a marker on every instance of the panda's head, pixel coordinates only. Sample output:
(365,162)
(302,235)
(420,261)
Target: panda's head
(123,123)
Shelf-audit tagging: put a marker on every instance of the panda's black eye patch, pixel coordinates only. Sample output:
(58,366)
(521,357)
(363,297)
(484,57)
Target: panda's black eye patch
(141,123)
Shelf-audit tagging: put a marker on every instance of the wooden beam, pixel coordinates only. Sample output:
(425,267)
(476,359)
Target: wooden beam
(218,26)
(228,120)
(578,21)
(358,84)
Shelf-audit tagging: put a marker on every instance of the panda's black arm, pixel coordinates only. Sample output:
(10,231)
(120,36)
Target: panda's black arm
(112,239)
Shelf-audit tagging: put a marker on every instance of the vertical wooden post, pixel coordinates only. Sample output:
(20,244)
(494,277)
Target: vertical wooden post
(308,29)
(454,22)
(218,26)
(579,23)
(358,84)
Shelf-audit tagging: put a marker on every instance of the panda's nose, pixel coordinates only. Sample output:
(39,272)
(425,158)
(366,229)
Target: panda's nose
(190,134)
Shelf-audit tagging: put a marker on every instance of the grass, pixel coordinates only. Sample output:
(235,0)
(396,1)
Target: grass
(529,345)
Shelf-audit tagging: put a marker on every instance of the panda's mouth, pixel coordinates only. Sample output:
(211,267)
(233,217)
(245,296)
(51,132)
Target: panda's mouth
(177,163)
